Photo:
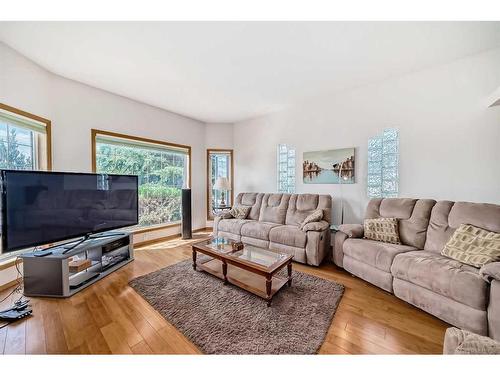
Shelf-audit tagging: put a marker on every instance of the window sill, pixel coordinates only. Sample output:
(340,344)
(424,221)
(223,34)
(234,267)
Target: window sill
(11,262)
(155,227)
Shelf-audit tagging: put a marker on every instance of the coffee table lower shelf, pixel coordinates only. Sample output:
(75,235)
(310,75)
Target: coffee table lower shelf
(249,281)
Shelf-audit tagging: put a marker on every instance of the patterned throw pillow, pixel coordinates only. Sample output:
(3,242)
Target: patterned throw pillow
(240,212)
(314,217)
(472,245)
(384,229)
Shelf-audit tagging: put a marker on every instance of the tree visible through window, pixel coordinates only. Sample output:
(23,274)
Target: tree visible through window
(17,148)
(162,171)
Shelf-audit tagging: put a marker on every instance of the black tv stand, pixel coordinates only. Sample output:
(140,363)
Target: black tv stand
(48,274)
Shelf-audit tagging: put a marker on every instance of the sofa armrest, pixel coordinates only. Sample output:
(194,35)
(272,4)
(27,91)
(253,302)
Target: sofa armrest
(215,229)
(317,246)
(490,271)
(338,248)
(452,340)
(352,230)
(457,341)
(317,226)
(494,311)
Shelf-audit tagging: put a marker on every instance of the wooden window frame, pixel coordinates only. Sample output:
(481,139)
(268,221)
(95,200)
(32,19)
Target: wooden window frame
(46,122)
(231,152)
(97,132)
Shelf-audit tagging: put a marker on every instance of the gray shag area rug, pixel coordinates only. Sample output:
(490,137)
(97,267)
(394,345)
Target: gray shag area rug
(224,319)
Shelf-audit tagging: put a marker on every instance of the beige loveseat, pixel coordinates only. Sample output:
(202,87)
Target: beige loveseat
(273,223)
(415,271)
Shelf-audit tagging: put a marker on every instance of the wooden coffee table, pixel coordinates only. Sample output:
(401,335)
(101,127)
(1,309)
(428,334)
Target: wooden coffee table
(252,268)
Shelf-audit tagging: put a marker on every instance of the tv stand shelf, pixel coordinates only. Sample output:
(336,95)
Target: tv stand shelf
(50,276)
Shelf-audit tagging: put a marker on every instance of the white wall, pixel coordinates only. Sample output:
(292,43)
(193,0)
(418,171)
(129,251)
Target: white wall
(219,135)
(75,108)
(449,139)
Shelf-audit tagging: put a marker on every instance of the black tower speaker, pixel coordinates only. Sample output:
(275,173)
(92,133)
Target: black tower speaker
(186,214)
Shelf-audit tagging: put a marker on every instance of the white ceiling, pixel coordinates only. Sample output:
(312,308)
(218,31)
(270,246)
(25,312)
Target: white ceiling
(232,71)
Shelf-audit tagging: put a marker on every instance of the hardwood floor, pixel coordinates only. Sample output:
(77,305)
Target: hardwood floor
(109,317)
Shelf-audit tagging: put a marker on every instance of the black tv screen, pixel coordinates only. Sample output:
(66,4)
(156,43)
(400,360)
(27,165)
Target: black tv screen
(45,207)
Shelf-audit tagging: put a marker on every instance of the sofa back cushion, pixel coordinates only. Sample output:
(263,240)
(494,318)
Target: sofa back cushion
(253,200)
(273,208)
(447,216)
(412,214)
(302,205)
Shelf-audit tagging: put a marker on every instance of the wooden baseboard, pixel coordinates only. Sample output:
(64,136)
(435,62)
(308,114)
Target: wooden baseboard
(168,238)
(10,263)
(8,285)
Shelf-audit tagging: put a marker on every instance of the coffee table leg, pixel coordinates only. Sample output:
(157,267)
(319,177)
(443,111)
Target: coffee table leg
(224,272)
(269,284)
(194,259)
(289,269)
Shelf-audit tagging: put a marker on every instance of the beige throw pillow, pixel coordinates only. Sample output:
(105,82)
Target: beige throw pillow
(384,229)
(472,245)
(240,212)
(312,218)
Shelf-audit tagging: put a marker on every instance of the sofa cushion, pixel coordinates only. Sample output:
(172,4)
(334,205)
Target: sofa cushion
(412,214)
(273,208)
(374,253)
(447,216)
(302,205)
(232,225)
(441,275)
(253,200)
(288,235)
(472,245)
(257,229)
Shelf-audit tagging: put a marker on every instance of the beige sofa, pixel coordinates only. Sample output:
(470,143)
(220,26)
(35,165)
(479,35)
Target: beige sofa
(273,223)
(415,271)
(458,341)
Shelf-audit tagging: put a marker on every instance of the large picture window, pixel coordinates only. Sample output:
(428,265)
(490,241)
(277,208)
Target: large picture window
(162,167)
(24,140)
(219,165)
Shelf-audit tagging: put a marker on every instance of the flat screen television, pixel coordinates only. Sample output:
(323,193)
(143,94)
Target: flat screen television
(45,207)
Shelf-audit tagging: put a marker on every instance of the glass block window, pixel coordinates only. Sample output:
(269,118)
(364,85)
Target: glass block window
(286,169)
(383,164)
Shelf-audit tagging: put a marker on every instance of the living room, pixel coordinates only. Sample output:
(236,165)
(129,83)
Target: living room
(250,187)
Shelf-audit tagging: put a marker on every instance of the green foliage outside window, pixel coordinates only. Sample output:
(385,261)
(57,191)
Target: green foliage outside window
(161,176)
(14,154)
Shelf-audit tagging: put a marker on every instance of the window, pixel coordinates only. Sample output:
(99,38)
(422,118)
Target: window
(24,144)
(163,169)
(286,169)
(219,165)
(24,140)
(383,164)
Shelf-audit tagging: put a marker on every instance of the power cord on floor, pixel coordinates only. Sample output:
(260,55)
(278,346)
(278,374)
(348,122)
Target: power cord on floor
(19,303)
